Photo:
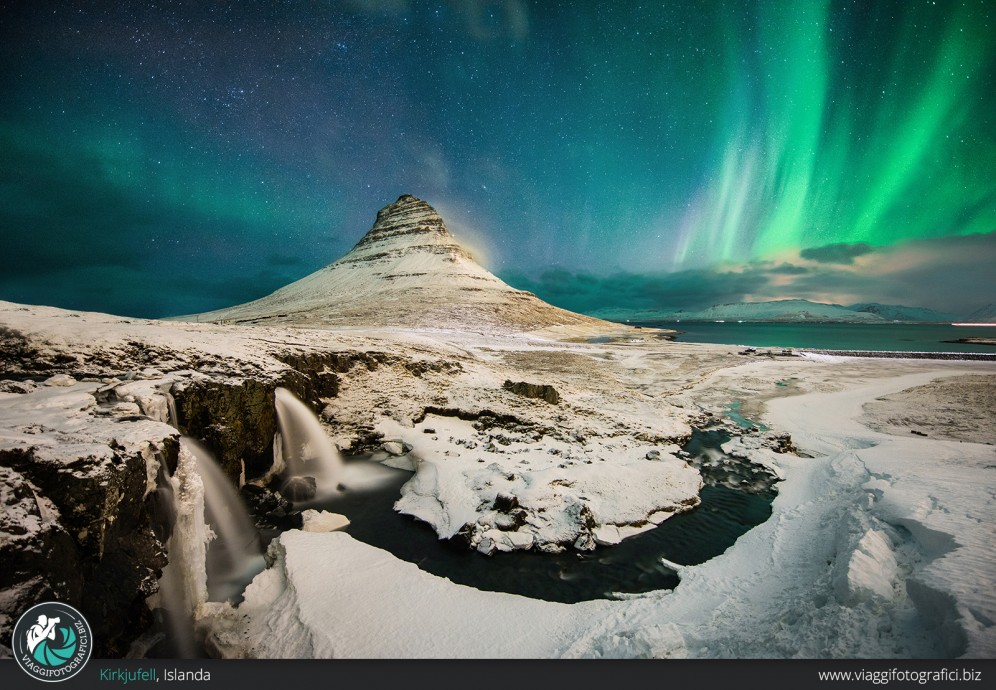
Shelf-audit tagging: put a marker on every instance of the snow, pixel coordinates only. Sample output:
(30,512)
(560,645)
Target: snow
(306,605)
(323,521)
(406,271)
(881,546)
(870,570)
(565,488)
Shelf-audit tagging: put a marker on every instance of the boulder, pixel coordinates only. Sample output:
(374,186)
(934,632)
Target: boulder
(323,521)
(299,489)
(533,390)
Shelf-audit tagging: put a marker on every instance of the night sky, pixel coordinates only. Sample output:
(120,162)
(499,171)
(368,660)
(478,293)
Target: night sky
(161,158)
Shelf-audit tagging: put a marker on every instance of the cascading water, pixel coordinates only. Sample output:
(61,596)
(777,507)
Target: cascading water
(214,549)
(235,555)
(307,450)
(183,585)
(174,420)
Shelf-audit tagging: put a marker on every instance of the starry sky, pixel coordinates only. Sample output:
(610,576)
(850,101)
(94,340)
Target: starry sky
(168,157)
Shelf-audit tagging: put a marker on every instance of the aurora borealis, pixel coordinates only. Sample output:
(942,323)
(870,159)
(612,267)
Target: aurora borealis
(171,157)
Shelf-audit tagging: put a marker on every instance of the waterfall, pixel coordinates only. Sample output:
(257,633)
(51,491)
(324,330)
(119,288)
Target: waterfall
(183,586)
(234,556)
(174,420)
(214,549)
(307,450)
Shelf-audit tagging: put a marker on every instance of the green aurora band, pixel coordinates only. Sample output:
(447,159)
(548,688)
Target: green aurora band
(245,145)
(819,150)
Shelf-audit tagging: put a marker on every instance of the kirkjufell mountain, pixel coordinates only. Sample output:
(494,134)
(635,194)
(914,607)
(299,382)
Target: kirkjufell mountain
(407,271)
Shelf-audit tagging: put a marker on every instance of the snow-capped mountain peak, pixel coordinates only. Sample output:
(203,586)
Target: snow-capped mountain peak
(408,271)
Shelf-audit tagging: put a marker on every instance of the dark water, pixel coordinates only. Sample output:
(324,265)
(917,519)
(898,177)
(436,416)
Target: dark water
(834,336)
(735,499)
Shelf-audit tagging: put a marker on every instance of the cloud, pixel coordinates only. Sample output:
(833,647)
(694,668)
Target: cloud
(841,253)
(586,292)
(789,269)
(951,274)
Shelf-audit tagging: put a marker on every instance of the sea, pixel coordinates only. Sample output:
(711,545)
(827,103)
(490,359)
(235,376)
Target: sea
(887,337)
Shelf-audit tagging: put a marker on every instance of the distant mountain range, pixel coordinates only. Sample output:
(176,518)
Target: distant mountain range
(986,314)
(800,310)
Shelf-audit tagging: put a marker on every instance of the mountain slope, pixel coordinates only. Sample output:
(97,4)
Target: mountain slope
(898,312)
(407,271)
(779,310)
(986,314)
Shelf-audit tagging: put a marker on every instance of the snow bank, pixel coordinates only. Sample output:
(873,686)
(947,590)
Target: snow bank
(307,605)
(518,489)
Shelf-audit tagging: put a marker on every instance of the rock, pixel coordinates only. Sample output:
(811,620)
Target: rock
(780,443)
(9,386)
(30,533)
(62,380)
(510,521)
(533,390)
(401,462)
(323,521)
(487,546)
(89,535)
(393,447)
(427,430)
(299,489)
(268,507)
(126,408)
(505,503)
(235,419)
(520,541)
(584,542)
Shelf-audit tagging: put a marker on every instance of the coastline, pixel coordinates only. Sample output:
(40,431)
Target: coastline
(894,354)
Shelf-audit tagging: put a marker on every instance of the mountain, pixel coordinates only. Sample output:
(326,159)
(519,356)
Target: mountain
(986,314)
(898,312)
(407,271)
(786,310)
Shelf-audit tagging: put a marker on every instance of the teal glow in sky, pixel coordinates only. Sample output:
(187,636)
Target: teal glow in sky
(180,156)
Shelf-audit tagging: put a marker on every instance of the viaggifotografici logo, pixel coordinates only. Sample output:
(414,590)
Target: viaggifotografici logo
(52,641)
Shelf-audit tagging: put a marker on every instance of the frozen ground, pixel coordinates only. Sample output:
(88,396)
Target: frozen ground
(880,546)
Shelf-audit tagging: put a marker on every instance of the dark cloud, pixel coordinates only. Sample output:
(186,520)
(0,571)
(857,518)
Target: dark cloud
(585,292)
(952,274)
(788,269)
(841,253)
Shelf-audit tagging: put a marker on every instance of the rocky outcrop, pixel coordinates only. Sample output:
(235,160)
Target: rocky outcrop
(235,419)
(533,390)
(82,524)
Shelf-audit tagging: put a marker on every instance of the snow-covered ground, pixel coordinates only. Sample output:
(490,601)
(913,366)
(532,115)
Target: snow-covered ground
(881,546)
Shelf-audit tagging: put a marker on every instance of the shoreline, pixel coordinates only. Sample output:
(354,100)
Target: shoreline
(899,354)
